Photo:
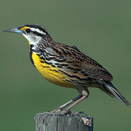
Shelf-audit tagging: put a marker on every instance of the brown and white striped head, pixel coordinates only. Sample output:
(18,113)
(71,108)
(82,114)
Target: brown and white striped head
(32,32)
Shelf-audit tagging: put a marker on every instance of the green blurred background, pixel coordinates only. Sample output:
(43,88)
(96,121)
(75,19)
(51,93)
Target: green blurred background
(99,28)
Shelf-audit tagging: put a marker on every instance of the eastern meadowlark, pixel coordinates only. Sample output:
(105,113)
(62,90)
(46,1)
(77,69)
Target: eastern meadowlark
(66,66)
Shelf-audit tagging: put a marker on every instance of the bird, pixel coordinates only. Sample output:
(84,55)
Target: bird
(66,65)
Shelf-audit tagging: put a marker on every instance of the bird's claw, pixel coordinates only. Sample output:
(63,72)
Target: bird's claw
(56,110)
(60,112)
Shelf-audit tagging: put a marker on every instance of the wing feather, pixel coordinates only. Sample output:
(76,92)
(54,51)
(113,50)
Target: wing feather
(76,63)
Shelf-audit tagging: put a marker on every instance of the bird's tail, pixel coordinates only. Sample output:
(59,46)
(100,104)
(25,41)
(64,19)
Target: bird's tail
(115,93)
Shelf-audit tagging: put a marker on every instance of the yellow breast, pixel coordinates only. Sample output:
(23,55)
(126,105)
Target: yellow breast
(49,72)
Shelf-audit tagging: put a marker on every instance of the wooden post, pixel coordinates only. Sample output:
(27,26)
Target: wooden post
(57,122)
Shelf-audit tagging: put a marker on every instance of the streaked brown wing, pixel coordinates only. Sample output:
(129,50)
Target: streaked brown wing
(76,63)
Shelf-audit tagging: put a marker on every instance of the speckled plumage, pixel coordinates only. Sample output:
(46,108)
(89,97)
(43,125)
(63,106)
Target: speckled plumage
(66,65)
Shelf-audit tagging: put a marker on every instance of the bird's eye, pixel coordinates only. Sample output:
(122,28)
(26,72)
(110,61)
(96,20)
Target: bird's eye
(28,30)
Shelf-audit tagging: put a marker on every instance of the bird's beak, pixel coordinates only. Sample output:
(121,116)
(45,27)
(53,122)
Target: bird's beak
(14,30)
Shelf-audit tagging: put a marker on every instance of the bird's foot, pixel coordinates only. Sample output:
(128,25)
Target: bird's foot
(60,112)
(56,110)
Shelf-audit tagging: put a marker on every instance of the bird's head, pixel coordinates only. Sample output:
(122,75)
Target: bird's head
(33,33)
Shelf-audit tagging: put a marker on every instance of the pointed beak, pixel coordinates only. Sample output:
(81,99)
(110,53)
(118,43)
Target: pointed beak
(14,30)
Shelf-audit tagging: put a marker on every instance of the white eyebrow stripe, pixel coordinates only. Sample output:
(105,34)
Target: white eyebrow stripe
(39,31)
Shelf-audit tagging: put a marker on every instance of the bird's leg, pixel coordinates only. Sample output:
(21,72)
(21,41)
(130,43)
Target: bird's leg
(75,103)
(68,103)
(85,94)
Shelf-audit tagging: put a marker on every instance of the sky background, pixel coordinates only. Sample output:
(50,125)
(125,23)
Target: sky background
(99,28)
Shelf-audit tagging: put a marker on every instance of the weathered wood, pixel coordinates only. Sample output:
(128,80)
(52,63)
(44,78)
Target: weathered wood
(57,122)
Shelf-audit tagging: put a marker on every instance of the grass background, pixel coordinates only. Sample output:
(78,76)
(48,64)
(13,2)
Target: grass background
(99,28)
